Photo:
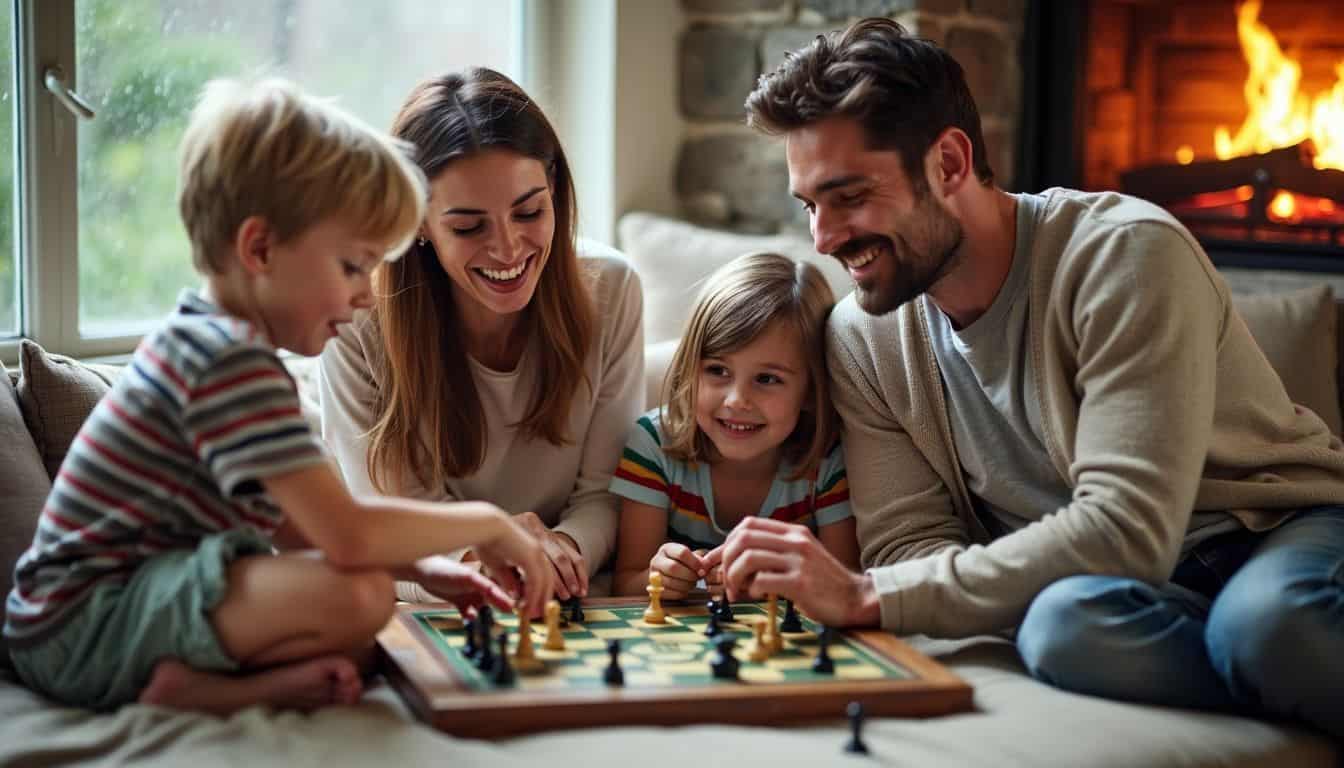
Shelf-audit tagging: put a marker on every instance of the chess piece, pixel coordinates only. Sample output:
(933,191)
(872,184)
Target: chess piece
(822,664)
(576,610)
(759,650)
(524,651)
(654,613)
(712,628)
(724,664)
(613,675)
(771,637)
(555,640)
(502,672)
(792,622)
(485,655)
(855,713)
(726,611)
(469,650)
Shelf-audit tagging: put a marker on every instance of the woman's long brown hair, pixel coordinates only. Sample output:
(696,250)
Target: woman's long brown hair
(428,412)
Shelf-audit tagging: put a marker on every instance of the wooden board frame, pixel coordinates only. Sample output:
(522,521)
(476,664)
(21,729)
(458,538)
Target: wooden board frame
(434,692)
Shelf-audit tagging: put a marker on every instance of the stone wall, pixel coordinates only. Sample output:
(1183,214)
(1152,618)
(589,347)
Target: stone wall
(729,177)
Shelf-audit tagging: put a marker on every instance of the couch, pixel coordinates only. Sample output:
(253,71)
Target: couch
(1016,722)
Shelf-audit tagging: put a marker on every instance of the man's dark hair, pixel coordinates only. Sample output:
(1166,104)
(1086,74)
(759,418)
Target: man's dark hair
(903,90)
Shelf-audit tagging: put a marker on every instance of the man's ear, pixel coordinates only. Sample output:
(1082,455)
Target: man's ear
(252,245)
(952,161)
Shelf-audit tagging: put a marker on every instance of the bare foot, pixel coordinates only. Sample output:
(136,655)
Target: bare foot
(303,685)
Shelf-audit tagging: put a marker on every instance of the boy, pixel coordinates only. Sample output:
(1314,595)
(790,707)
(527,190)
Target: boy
(152,573)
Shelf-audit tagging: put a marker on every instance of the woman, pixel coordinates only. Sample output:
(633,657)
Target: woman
(502,360)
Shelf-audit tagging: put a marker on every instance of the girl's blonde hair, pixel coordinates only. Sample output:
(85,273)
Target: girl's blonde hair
(428,414)
(270,150)
(737,303)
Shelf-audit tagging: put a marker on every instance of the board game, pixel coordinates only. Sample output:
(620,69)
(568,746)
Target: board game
(667,676)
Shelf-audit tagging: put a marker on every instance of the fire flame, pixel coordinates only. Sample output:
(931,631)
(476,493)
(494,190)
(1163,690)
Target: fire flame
(1278,113)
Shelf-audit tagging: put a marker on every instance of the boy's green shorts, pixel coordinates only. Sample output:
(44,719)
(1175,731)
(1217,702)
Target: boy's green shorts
(104,654)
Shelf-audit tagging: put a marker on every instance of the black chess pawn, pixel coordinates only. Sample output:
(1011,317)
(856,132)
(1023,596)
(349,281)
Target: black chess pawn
(485,632)
(576,610)
(485,625)
(726,611)
(724,664)
(469,650)
(502,674)
(613,675)
(855,713)
(792,622)
(712,628)
(822,664)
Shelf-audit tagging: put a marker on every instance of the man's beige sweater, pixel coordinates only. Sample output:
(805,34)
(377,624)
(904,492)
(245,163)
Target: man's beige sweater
(1155,401)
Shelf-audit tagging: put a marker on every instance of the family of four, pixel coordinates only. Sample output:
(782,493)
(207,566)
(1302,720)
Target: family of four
(1036,413)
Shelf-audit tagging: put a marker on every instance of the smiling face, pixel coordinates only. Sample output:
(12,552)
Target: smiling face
(748,400)
(314,283)
(491,220)
(892,236)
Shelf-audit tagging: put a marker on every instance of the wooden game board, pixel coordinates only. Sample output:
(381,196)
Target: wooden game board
(667,674)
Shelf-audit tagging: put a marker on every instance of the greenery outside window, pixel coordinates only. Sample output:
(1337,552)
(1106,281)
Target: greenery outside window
(109,251)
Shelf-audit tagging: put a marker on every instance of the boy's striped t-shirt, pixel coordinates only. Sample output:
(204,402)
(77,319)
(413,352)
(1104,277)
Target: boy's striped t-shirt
(174,452)
(649,476)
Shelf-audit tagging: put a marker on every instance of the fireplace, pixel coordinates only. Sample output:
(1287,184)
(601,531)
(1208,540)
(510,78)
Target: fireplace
(1229,114)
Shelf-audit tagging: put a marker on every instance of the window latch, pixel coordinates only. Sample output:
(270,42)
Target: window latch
(54,78)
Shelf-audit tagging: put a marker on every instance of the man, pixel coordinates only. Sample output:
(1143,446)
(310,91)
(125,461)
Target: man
(1054,419)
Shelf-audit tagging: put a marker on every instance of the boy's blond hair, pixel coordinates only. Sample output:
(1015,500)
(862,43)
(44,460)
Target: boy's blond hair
(270,150)
(738,302)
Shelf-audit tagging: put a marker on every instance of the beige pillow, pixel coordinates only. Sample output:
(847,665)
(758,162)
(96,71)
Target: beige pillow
(1297,331)
(24,486)
(57,394)
(672,257)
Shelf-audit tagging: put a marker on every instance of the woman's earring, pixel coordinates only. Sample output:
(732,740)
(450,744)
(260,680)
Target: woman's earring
(422,242)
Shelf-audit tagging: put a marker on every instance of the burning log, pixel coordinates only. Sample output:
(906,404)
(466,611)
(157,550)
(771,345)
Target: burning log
(1287,169)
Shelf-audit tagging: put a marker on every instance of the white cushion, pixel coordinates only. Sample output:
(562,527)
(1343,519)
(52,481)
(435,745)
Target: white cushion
(672,257)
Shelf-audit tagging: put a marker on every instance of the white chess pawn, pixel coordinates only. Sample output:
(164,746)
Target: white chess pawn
(524,651)
(654,613)
(555,639)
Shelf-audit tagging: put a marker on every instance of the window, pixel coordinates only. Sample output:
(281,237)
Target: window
(9,275)
(140,64)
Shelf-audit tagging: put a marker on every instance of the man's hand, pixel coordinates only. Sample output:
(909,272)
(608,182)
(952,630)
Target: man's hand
(681,569)
(763,556)
(461,584)
(571,569)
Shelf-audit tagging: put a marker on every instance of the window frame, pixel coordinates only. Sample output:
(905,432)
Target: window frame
(46,236)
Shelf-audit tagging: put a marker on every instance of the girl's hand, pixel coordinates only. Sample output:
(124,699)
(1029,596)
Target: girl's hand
(713,563)
(681,569)
(461,584)
(571,569)
(515,548)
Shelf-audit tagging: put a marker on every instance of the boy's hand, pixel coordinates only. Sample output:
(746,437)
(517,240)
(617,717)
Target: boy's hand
(515,548)
(571,569)
(681,569)
(461,584)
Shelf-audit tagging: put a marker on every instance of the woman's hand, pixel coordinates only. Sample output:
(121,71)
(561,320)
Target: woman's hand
(571,569)
(681,569)
(515,547)
(461,584)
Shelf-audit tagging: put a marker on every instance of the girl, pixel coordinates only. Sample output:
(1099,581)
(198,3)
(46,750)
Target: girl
(503,359)
(747,430)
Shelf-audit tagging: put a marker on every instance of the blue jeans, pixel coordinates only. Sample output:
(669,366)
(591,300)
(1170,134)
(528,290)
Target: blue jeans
(1270,642)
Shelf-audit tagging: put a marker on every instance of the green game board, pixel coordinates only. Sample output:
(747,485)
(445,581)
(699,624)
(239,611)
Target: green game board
(673,654)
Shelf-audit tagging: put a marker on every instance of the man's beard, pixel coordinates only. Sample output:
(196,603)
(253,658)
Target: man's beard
(912,272)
